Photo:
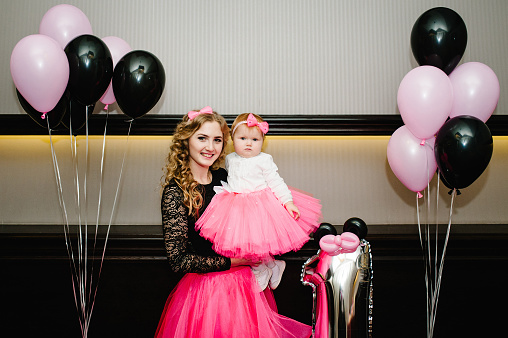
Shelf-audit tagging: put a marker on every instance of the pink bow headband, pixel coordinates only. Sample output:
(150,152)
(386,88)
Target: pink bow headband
(253,122)
(192,114)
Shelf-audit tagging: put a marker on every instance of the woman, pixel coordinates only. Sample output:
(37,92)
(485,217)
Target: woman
(218,296)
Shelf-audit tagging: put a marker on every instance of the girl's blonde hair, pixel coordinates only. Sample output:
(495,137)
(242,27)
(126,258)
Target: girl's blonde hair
(243,117)
(178,165)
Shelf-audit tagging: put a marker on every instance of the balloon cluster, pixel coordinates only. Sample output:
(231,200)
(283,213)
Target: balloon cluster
(444,108)
(64,70)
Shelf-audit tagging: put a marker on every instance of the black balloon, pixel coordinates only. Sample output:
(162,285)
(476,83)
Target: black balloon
(76,115)
(90,68)
(323,230)
(138,82)
(356,226)
(439,39)
(463,150)
(53,117)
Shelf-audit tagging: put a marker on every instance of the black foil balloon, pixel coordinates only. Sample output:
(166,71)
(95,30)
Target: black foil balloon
(356,226)
(76,115)
(90,68)
(323,230)
(53,117)
(463,150)
(138,82)
(439,39)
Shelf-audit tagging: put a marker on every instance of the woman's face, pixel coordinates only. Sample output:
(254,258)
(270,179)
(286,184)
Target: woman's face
(205,145)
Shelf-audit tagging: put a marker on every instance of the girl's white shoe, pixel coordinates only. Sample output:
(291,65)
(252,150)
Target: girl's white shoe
(277,271)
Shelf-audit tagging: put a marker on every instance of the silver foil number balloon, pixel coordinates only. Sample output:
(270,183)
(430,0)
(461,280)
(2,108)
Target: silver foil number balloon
(342,292)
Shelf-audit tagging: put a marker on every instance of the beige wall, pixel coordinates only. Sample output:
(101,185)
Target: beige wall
(349,174)
(271,56)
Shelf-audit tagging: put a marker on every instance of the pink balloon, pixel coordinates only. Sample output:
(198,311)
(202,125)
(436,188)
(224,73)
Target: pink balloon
(40,71)
(118,49)
(63,23)
(425,100)
(414,164)
(475,90)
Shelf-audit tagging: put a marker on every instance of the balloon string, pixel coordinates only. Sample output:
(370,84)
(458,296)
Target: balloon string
(80,229)
(68,242)
(425,263)
(112,210)
(440,273)
(90,295)
(87,160)
(81,293)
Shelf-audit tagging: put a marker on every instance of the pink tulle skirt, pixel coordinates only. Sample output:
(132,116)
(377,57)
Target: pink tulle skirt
(225,304)
(256,225)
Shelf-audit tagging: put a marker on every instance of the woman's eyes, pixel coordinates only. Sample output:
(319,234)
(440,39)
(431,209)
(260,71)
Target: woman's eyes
(218,140)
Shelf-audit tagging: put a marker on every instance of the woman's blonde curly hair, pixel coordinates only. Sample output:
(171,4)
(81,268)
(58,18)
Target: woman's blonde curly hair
(177,163)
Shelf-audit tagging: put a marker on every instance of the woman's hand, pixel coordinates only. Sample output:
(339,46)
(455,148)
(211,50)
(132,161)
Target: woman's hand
(243,261)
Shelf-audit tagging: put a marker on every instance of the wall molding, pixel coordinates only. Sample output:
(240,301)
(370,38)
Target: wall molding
(296,125)
(48,243)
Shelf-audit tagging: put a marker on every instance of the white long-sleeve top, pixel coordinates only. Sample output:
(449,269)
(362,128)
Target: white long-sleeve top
(254,174)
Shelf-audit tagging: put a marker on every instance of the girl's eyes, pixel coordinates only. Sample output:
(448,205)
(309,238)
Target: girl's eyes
(201,138)
(218,140)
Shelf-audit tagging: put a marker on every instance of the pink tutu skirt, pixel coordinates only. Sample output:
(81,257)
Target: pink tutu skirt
(256,225)
(225,304)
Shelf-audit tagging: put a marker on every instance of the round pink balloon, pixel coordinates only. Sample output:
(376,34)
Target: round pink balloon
(118,49)
(424,99)
(40,71)
(475,90)
(414,164)
(63,23)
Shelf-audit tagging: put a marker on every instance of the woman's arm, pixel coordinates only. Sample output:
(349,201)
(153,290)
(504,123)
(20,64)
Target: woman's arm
(175,229)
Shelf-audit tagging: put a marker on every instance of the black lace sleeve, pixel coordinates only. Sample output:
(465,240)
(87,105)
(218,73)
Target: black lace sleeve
(175,222)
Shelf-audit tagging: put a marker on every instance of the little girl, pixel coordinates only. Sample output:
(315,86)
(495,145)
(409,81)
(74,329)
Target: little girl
(255,215)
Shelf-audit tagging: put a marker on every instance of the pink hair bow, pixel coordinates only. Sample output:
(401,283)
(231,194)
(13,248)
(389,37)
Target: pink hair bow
(192,114)
(252,122)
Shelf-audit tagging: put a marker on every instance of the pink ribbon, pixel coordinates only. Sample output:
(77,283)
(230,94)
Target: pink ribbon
(192,114)
(252,122)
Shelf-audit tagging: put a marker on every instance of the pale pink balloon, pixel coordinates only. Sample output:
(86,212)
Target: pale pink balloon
(424,99)
(475,90)
(414,164)
(40,71)
(63,23)
(118,48)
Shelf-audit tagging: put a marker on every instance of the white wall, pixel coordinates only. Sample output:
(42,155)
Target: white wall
(272,56)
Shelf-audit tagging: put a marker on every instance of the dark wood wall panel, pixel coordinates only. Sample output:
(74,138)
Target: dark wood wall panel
(37,296)
(19,124)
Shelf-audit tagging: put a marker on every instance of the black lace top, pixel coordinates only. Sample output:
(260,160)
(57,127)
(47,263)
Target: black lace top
(186,250)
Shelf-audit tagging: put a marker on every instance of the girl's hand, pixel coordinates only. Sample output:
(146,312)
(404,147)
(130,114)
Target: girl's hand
(243,261)
(293,210)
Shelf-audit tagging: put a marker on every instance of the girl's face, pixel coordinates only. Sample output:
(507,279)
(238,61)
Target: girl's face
(205,145)
(247,141)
